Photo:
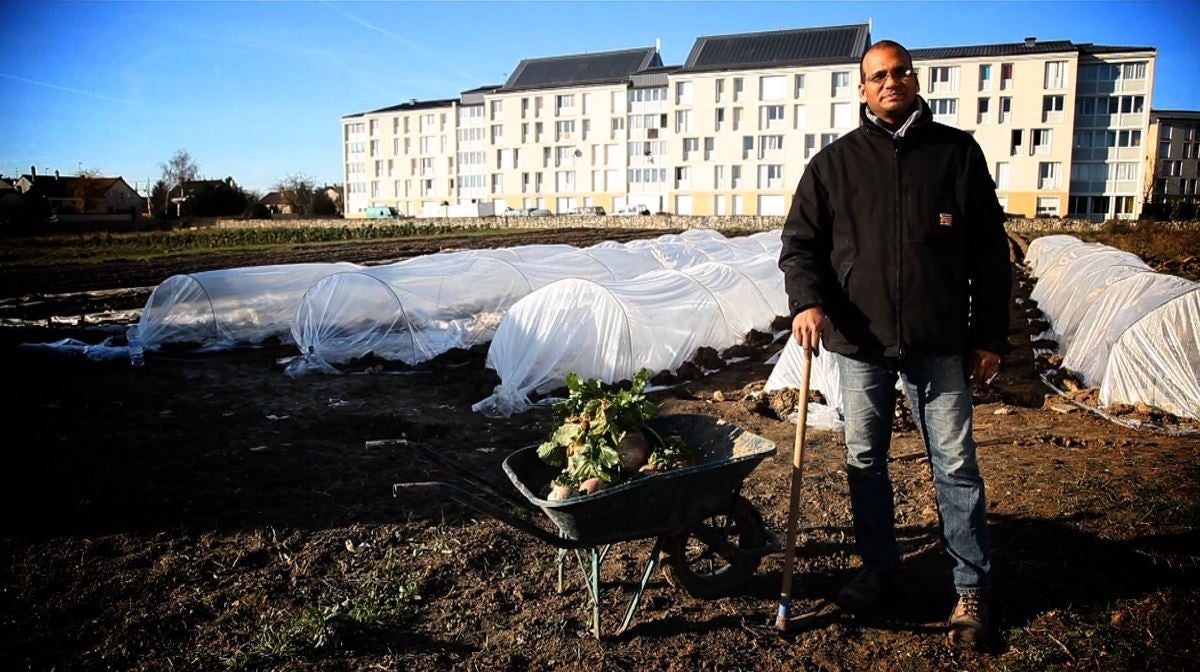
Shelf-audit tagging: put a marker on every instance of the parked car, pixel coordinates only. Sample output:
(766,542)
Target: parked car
(632,210)
(527,212)
(588,211)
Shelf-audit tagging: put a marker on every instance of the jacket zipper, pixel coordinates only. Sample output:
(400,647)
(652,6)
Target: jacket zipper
(899,252)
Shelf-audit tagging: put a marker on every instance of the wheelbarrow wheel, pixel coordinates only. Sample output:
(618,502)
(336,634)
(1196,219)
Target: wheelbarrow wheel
(709,568)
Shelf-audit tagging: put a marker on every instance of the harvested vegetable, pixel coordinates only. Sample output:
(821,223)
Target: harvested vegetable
(598,438)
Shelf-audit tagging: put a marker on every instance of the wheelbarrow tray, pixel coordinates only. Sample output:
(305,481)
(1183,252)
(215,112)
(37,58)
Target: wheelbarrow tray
(667,502)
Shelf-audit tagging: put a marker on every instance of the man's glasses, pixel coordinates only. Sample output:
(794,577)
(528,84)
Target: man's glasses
(897,74)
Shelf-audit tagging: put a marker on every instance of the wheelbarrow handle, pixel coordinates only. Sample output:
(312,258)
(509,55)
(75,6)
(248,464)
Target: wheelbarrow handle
(482,505)
(457,469)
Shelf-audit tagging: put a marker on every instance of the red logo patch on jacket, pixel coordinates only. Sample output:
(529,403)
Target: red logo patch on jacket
(945,219)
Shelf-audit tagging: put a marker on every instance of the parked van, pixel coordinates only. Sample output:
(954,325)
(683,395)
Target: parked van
(588,210)
(382,212)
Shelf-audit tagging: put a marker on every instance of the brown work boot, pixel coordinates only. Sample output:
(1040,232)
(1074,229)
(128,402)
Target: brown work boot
(969,622)
(866,591)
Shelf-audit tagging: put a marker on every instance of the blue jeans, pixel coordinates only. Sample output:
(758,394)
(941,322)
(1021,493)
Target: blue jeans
(941,403)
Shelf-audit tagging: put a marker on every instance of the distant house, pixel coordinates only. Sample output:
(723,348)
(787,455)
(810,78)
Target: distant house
(276,204)
(84,196)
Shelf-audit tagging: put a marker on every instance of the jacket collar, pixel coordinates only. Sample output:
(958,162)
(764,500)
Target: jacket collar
(920,116)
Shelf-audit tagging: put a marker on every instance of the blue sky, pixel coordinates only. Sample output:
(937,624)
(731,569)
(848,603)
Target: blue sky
(255,90)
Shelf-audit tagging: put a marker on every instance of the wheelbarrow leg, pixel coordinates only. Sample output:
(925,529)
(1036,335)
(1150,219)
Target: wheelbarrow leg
(562,554)
(595,586)
(651,564)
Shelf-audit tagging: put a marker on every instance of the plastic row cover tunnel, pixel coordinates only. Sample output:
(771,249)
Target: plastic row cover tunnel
(415,310)
(1121,327)
(610,330)
(220,309)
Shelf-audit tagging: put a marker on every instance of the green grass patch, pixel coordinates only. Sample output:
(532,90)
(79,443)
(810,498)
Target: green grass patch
(101,247)
(346,609)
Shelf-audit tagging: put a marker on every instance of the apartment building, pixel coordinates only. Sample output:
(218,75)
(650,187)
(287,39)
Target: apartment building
(731,130)
(1174,160)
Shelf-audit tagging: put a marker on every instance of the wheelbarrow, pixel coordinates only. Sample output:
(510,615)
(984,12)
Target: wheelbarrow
(713,538)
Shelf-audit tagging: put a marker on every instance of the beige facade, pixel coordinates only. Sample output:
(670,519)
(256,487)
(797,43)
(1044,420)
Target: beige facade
(735,142)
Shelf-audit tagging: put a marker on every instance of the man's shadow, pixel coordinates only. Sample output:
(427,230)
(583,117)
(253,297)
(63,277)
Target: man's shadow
(1038,565)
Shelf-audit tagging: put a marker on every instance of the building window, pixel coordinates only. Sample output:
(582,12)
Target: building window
(683,121)
(770,116)
(720,90)
(799,117)
(985,77)
(945,110)
(770,147)
(738,89)
(735,177)
(719,119)
(842,115)
(810,145)
(683,93)
(683,177)
(1005,109)
(1164,150)
(1041,141)
(1006,76)
(828,139)
(1133,70)
(1016,139)
(691,146)
(709,147)
(943,79)
(737,118)
(1129,139)
(983,111)
(1047,206)
(798,86)
(1052,108)
(1049,175)
(840,84)
(773,87)
(770,176)
(1056,75)
(1002,173)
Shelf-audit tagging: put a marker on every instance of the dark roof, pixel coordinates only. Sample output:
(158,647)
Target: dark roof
(482,89)
(272,198)
(1181,115)
(52,186)
(804,46)
(986,50)
(606,67)
(1089,48)
(662,68)
(1016,49)
(410,106)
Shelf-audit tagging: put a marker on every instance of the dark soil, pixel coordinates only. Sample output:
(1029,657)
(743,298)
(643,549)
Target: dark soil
(205,512)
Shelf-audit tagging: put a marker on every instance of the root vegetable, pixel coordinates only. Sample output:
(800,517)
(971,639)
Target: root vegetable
(592,485)
(559,492)
(634,450)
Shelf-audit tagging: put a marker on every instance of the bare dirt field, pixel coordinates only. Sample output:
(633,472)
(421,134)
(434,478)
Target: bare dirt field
(205,512)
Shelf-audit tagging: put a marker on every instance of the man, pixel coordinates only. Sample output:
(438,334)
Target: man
(894,256)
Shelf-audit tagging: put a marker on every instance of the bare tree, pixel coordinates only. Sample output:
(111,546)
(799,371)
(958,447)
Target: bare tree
(179,169)
(86,190)
(297,191)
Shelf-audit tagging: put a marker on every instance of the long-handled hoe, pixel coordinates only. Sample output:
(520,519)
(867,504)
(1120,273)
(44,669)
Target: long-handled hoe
(789,550)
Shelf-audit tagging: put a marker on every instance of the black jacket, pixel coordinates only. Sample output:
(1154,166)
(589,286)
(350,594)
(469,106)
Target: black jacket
(901,242)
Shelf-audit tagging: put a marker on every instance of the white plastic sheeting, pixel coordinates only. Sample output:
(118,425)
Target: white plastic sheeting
(406,312)
(610,330)
(221,309)
(1138,338)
